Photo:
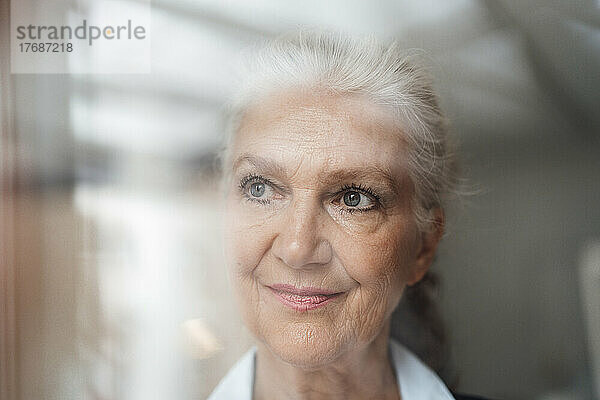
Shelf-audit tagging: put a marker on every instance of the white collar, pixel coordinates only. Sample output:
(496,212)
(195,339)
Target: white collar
(415,380)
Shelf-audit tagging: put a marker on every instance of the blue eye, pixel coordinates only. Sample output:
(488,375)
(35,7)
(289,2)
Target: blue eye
(358,198)
(257,189)
(352,199)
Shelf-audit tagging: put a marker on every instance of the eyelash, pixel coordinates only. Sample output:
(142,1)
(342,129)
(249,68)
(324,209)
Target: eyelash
(365,190)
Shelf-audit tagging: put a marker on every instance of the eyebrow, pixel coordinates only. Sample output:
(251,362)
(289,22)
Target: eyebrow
(376,172)
(260,163)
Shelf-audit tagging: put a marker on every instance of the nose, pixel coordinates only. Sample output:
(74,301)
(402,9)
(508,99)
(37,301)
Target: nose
(300,242)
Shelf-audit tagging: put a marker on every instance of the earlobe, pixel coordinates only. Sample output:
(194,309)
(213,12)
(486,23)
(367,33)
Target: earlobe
(429,242)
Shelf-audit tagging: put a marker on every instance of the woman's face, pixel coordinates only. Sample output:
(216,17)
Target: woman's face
(320,235)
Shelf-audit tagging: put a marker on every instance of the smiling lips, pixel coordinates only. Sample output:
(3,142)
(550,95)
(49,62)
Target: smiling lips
(303,299)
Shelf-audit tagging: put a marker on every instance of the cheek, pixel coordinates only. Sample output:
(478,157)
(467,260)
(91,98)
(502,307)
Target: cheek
(247,237)
(387,255)
(380,264)
(246,241)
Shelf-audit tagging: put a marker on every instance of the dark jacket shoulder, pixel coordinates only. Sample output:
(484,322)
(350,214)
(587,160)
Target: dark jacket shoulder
(459,396)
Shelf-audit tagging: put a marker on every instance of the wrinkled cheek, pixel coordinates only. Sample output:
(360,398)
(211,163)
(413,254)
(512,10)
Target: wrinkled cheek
(241,258)
(236,243)
(381,276)
(371,264)
(243,252)
(241,264)
(245,245)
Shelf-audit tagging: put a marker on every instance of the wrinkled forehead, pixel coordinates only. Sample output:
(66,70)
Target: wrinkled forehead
(321,131)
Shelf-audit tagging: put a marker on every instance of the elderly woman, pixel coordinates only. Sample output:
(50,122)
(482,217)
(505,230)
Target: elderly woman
(336,169)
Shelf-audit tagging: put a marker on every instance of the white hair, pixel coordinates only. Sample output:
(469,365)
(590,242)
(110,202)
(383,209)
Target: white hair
(384,74)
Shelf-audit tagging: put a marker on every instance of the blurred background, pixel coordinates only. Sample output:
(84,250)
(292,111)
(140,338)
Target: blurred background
(112,284)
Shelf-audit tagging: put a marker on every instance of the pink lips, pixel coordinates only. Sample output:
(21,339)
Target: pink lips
(302,299)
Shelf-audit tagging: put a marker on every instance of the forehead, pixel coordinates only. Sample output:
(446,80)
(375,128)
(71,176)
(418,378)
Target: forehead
(322,131)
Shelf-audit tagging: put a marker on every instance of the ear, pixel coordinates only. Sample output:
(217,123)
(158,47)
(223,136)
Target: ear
(429,241)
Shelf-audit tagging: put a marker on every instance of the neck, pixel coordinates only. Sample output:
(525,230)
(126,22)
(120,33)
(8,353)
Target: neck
(360,374)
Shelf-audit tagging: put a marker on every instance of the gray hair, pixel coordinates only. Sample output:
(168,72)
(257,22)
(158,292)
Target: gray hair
(385,74)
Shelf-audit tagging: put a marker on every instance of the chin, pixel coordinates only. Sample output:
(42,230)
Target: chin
(305,346)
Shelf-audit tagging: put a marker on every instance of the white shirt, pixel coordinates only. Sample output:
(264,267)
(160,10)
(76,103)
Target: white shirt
(415,380)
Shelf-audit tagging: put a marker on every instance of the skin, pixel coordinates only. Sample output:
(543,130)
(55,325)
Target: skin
(304,145)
